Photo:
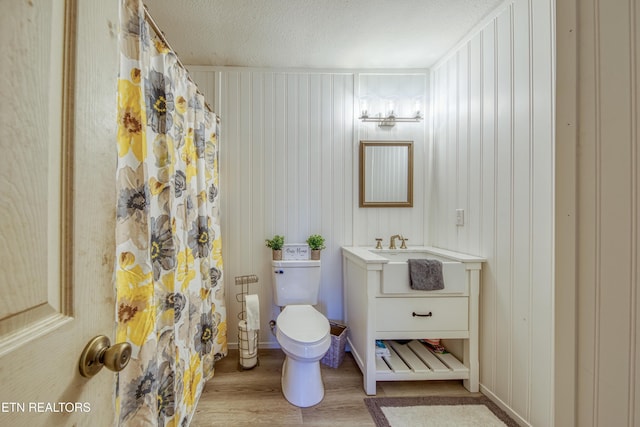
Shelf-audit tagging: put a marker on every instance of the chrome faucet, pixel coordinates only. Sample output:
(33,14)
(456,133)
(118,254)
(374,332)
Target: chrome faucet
(392,240)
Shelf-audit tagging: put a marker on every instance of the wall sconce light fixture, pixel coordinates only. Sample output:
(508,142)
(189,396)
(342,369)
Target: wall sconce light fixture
(390,119)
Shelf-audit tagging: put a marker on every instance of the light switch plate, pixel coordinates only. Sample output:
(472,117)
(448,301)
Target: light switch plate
(459,217)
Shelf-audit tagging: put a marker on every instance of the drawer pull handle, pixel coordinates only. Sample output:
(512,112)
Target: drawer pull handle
(422,315)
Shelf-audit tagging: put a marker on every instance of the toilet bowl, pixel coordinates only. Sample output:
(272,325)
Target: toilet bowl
(304,336)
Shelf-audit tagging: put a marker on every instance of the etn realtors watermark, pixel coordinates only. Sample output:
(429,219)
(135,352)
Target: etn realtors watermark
(44,407)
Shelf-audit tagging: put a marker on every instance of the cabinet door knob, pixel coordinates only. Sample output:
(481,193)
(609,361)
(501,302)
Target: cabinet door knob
(429,314)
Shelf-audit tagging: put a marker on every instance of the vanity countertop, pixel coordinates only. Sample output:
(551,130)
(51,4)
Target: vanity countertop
(369,255)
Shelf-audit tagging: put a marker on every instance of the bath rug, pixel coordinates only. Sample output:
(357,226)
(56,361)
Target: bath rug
(437,411)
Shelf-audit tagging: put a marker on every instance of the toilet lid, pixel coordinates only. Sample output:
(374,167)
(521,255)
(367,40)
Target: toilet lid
(303,323)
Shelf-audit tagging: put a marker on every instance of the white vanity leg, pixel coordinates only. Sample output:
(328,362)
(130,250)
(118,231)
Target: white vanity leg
(370,384)
(369,374)
(471,345)
(473,383)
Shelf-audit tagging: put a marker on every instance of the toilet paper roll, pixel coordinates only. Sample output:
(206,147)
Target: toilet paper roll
(253,312)
(248,339)
(247,345)
(248,361)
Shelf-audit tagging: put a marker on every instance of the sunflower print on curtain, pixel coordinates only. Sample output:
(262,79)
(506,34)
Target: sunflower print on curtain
(168,273)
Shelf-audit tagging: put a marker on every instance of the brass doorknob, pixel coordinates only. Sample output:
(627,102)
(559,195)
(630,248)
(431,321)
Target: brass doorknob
(99,352)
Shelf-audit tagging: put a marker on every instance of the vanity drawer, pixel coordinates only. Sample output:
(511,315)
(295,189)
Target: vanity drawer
(439,314)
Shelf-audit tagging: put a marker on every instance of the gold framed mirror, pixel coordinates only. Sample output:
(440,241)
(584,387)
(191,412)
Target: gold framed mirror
(386,174)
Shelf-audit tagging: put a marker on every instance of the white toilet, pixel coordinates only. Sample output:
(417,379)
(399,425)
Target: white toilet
(302,331)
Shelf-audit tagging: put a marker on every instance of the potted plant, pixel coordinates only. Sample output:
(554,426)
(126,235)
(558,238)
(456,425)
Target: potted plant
(276,246)
(316,244)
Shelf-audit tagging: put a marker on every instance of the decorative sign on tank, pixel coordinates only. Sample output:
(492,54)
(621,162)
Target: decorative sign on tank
(295,251)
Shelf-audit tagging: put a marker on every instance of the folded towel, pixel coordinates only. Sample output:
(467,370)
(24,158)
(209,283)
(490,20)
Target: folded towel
(381,349)
(425,274)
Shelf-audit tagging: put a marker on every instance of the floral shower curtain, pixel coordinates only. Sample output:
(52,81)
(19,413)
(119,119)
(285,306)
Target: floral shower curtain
(168,274)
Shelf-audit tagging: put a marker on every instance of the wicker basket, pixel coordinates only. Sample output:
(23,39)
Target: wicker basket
(335,355)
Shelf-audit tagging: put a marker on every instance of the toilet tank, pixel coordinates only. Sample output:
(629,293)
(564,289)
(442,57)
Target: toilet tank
(295,282)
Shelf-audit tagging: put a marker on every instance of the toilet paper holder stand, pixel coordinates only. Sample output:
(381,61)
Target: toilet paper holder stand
(247,339)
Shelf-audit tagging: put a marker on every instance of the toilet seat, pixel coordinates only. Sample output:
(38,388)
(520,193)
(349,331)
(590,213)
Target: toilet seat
(303,324)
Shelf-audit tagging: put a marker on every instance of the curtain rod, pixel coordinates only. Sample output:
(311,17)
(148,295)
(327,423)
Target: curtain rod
(159,33)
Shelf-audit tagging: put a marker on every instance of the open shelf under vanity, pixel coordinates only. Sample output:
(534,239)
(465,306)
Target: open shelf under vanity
(414,361)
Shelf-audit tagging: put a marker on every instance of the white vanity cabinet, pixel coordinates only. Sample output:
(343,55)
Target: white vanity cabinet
(379,305)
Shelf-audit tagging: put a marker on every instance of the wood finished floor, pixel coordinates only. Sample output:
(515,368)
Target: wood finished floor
(253,397)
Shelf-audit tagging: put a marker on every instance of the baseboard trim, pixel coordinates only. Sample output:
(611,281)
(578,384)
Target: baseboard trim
(495,399)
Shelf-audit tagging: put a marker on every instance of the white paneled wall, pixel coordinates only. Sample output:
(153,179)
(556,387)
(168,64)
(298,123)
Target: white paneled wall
(493,157)
(286,169)
(370,223)
(608,221)
(289,165)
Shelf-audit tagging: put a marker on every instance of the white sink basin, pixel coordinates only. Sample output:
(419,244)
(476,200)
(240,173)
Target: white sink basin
(395,273)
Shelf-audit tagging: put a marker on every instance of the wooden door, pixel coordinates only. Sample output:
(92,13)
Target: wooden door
(57,207)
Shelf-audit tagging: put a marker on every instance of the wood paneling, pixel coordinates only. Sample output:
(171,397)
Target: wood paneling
(493,144)
(289,165)
(286,162)
(607,213)
(565,323)
(369,223)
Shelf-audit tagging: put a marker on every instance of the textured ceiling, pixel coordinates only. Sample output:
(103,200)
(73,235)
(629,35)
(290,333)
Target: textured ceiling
(316,33)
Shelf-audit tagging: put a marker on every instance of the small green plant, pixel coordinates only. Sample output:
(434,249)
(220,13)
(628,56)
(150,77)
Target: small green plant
(316,242)
(276,243)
